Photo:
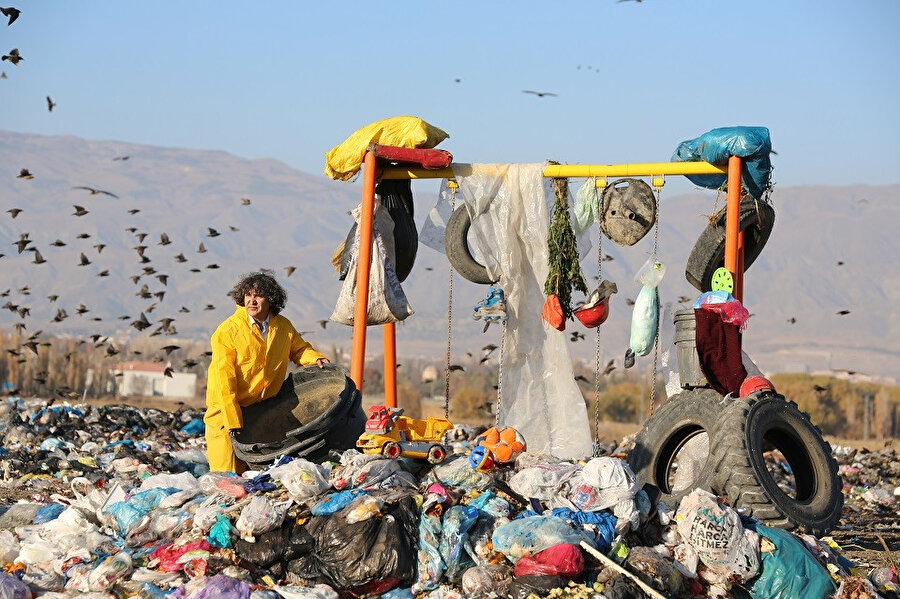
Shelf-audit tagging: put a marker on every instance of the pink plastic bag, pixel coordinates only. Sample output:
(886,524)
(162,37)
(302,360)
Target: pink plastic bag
(169,555)
(559,560)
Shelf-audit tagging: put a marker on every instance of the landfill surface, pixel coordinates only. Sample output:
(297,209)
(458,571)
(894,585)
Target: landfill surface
(117,501)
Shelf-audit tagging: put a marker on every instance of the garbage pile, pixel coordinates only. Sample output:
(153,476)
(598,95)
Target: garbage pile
(106,502)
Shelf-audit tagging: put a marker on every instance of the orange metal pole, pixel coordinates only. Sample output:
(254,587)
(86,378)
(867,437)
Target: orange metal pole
(390,365)
(360,313)
(732,218)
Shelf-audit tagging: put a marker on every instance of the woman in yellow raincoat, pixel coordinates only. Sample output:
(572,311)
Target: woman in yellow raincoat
(250,353)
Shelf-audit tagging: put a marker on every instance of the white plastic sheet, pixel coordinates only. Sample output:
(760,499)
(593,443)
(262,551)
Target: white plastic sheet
(510,222)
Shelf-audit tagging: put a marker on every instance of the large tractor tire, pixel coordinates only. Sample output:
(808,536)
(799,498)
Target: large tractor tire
(678,423)
(751,426)
(756,221)
(456,244)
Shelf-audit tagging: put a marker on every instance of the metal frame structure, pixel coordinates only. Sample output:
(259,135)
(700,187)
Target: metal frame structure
(734,238)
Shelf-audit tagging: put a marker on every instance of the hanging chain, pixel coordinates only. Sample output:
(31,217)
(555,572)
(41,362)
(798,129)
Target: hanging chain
(500,373)
(597,363)
(656,340)
(452,185)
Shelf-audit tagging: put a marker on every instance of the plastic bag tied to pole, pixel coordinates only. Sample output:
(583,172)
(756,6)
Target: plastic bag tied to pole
(716,146)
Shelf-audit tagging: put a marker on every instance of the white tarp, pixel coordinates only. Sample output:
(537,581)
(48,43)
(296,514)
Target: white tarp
(510,222)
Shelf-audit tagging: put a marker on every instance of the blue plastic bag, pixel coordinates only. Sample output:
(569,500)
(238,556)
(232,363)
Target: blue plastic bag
(220,533)
(456,549)
(49,512)
(194,427)
(430,564)
(336,502)
(129,512)
(530,535)
(645,317)
(789,571)
(750,143)
(604,522)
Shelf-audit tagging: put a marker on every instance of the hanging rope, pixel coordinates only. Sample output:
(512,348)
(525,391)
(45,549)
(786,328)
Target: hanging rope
(657,185)
(597,359)
(453,186)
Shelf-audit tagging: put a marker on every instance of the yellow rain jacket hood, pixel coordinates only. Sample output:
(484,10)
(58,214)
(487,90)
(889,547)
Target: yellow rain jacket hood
(246,368)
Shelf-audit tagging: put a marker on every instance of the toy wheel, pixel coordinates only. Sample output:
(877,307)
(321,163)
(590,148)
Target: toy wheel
(391,450)
(436,454)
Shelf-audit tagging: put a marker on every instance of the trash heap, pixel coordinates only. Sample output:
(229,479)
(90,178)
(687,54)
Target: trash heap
(118,502)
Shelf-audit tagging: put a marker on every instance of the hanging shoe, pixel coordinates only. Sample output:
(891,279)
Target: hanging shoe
(492,308)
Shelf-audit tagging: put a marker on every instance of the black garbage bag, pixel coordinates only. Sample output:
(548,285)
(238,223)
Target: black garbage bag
(288,542)
(396,196)
(523,586)
(350,555)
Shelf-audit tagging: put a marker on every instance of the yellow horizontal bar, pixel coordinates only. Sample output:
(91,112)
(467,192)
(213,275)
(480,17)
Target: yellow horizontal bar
(644,169)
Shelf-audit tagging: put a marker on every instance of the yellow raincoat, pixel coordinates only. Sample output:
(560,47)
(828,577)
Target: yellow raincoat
(246,369)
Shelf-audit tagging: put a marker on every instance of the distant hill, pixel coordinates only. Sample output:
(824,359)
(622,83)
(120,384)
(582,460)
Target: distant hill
(297,219)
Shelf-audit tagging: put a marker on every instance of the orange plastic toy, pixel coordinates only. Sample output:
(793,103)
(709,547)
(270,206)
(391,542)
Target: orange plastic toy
(505,444)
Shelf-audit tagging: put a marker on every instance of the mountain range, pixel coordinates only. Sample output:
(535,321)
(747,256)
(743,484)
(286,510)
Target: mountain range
(833,249)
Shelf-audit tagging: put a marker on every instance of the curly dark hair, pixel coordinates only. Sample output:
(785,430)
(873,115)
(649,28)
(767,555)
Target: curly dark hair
(262,283)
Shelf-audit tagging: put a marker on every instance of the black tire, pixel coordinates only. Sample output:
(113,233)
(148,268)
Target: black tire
(456,245)
(436,454)
(753,425)
(683,417)
(756,221)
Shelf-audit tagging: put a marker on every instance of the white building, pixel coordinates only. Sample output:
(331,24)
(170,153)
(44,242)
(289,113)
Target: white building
(149,379)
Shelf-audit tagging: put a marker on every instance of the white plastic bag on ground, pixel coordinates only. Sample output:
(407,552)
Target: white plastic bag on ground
(9,547)
(365,471)
(259,516)
(387,301)
(109,571)
(547,482)
(715,533)
(319,591)
(302,478)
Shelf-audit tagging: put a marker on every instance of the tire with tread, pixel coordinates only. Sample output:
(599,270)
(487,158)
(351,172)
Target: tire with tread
(680,419)
(456,245)
(391,450)
(750,426)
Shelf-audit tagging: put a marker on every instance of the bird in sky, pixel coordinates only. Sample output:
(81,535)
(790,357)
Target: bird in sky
(84,260)
(52,298)
(14,212)
(141,323)
(81,309)
(582,378)
(212,266)
(201,249)
(576,336)
(454,367)
(840,263)
(141,237)
(121,158)
(134,211)
(169,349)
(245,201)
(13,56)
(60,315)
(50,104)
(140,249)
(168,372)
(792,320)
(21,244)
(212,232)
(58,243)
(164,239)
(843,312)
(629,301)
(209,307)
(82,236)
(610,366)
(323,323)
(538,94)
(103,273)
(79,210)
(38,259)
(94,191)
(99,247)
(164,279)
(290,270)
(25,174)
(180,258)
(12,13)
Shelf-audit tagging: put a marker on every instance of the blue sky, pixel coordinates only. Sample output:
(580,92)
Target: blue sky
(289,80)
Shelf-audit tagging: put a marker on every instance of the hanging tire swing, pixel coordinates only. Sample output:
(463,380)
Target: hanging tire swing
(754,425)
(456,245)
(756,220)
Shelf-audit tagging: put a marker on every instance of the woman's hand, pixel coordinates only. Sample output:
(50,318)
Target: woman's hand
(322,361)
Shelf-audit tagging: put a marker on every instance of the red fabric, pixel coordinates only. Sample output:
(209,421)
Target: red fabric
(426,158)
(559,560)
(719,350)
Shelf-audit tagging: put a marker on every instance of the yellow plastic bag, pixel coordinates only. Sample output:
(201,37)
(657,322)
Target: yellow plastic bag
(345,159)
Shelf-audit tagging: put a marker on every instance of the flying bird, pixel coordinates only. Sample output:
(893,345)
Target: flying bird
(50,104)
(629,301)
(103,273)
(21,244)
(38,259)
(576,336)
(14,212)
(84,260)
(582,378)
(840,263)
(323,323)
(792,320)
(843,312)
(231,228)
(168,372)
(209,307)
(164,279)
(60,315)
(180,258)
(134,211)
(201,249)
(141,323)
(212,232)
(212,266)
(79,210)
(82,236)
(81,309)
(141,237)
(245,201)
(820,388)
(456,367)
(169,348)
(164,239)
(538,94)
(610,366)
(121,158)
(99,247)
(12,13)
(25,174)
(52,298)
(290,270)
(94,191)
(58,243)
(13,56)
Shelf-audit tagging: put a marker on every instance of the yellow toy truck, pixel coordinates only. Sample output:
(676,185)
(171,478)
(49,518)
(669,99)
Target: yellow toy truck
(393,435)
